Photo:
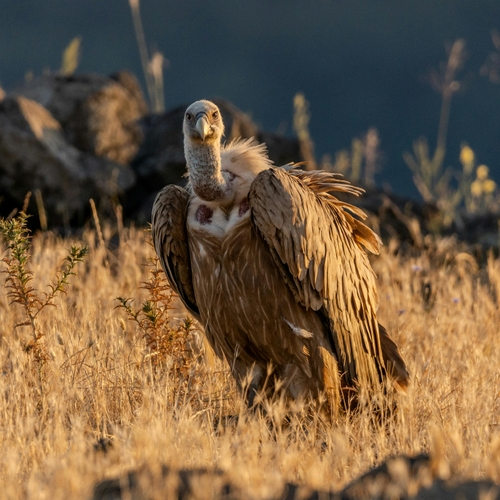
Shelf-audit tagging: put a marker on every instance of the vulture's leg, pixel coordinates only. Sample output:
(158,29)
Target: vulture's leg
(393,361)
(249,379)
(251,393)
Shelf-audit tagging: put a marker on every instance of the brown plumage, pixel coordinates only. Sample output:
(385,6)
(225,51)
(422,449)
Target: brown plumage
(274,267)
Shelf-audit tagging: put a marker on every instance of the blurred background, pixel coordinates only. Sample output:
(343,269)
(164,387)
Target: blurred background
(360,64)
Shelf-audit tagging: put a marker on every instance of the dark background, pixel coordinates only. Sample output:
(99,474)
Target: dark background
(360,63)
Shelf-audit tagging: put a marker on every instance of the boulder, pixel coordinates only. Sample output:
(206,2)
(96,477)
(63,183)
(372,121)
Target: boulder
(79,136)
(393,216)
(400,477)
(281,149)
(35,155)
(64,134)
(99,114)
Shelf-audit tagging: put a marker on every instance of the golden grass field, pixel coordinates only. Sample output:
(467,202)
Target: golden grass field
(98,382)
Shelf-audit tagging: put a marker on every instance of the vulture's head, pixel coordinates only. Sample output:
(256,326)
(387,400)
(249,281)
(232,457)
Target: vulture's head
(203,123)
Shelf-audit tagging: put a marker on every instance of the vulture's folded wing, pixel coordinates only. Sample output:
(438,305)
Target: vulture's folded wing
(168,227)
(317,244)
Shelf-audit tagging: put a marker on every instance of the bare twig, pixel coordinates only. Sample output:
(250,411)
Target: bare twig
(42,215)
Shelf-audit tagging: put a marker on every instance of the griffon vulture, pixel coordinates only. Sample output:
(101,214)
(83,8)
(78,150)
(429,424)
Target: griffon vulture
(274,267)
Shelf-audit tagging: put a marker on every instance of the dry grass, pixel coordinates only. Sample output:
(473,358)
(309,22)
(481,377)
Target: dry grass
(100,383)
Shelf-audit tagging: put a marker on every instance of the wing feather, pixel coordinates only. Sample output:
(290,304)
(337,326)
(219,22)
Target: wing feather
(168,228)
(319,247)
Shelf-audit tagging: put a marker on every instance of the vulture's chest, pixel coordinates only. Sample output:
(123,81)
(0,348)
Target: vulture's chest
(214,221)
(240,292)
(222,245)
(233,276)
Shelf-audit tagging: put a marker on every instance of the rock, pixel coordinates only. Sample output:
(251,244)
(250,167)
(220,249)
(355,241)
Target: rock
(403,477)
(411,222)
(99,114)
(160,159)
(34,155)
(393,216)
(469,490)
(281,149)
(180,484)
(480,229)
(74,137)
(399,477)
(65,134)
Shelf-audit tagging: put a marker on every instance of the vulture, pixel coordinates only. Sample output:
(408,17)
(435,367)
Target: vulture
(275,268)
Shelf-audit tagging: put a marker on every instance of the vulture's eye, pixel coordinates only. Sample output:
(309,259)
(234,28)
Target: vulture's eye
(188,117)
(215,115)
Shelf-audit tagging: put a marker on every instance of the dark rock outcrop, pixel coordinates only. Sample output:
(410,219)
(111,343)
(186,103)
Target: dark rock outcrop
(98,114)
(402,478)
(90,136)
(35,155)
(73,137)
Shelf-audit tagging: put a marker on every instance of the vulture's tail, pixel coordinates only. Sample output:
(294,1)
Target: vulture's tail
(395,365)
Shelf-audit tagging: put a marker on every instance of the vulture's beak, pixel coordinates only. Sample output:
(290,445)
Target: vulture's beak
(202,126)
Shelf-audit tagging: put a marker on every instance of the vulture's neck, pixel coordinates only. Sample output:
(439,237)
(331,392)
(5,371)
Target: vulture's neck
(205,172)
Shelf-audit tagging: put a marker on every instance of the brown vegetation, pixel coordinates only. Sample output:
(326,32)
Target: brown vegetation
(102,383)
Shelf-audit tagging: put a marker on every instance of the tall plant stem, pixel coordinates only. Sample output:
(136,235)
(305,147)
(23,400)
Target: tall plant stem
(143,49)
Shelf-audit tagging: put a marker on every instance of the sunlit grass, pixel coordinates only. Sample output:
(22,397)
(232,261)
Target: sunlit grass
(100,383)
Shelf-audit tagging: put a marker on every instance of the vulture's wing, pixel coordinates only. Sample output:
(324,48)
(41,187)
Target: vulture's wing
(168,227)
(318,245)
